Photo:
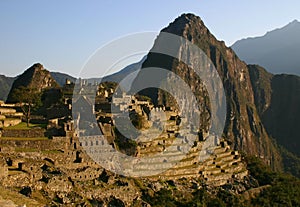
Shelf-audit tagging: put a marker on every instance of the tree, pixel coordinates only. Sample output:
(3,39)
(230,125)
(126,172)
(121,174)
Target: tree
(29,99)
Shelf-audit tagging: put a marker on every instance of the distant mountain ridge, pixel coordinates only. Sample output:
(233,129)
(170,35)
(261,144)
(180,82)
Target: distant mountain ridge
(6,83)
(118,76)
(277,51)
(61,78)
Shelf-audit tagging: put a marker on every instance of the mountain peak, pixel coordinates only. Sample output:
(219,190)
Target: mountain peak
(188,26)
(189,17)
(291,28)
(36,67)
(34,77)
(294,22)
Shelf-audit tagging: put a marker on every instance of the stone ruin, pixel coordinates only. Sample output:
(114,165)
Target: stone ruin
(9,116)
(222,164)
(54,165)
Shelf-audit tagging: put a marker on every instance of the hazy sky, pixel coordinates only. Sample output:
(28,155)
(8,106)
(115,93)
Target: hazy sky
(63,34)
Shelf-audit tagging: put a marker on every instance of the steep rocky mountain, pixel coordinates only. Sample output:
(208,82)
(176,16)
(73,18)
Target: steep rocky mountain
(34,77)
(277,51)
(277,98)
(244,127)
(7,82)
(5,85)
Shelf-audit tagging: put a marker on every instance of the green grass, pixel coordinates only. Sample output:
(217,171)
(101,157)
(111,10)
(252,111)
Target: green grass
(23,126)
(51,151)
(20,149)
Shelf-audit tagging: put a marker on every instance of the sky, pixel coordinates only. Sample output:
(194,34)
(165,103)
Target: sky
(63,34)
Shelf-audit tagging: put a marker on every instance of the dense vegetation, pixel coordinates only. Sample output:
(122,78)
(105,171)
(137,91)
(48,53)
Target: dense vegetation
(284,190)
(125,145)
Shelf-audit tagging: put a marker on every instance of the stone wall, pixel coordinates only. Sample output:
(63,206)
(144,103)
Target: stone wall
(11,122)
(3,170)
(7,111)
(34,144)
(32,133)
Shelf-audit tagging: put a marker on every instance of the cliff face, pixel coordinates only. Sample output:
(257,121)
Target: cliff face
(244,128)
(34,77)
(282,118)
(278,98)
(261,83)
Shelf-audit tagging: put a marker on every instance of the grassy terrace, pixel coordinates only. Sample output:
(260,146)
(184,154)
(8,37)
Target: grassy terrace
(20,149)
(52,152)
(23,126)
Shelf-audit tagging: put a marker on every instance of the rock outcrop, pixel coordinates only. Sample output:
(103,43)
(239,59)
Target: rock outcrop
(36,77)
